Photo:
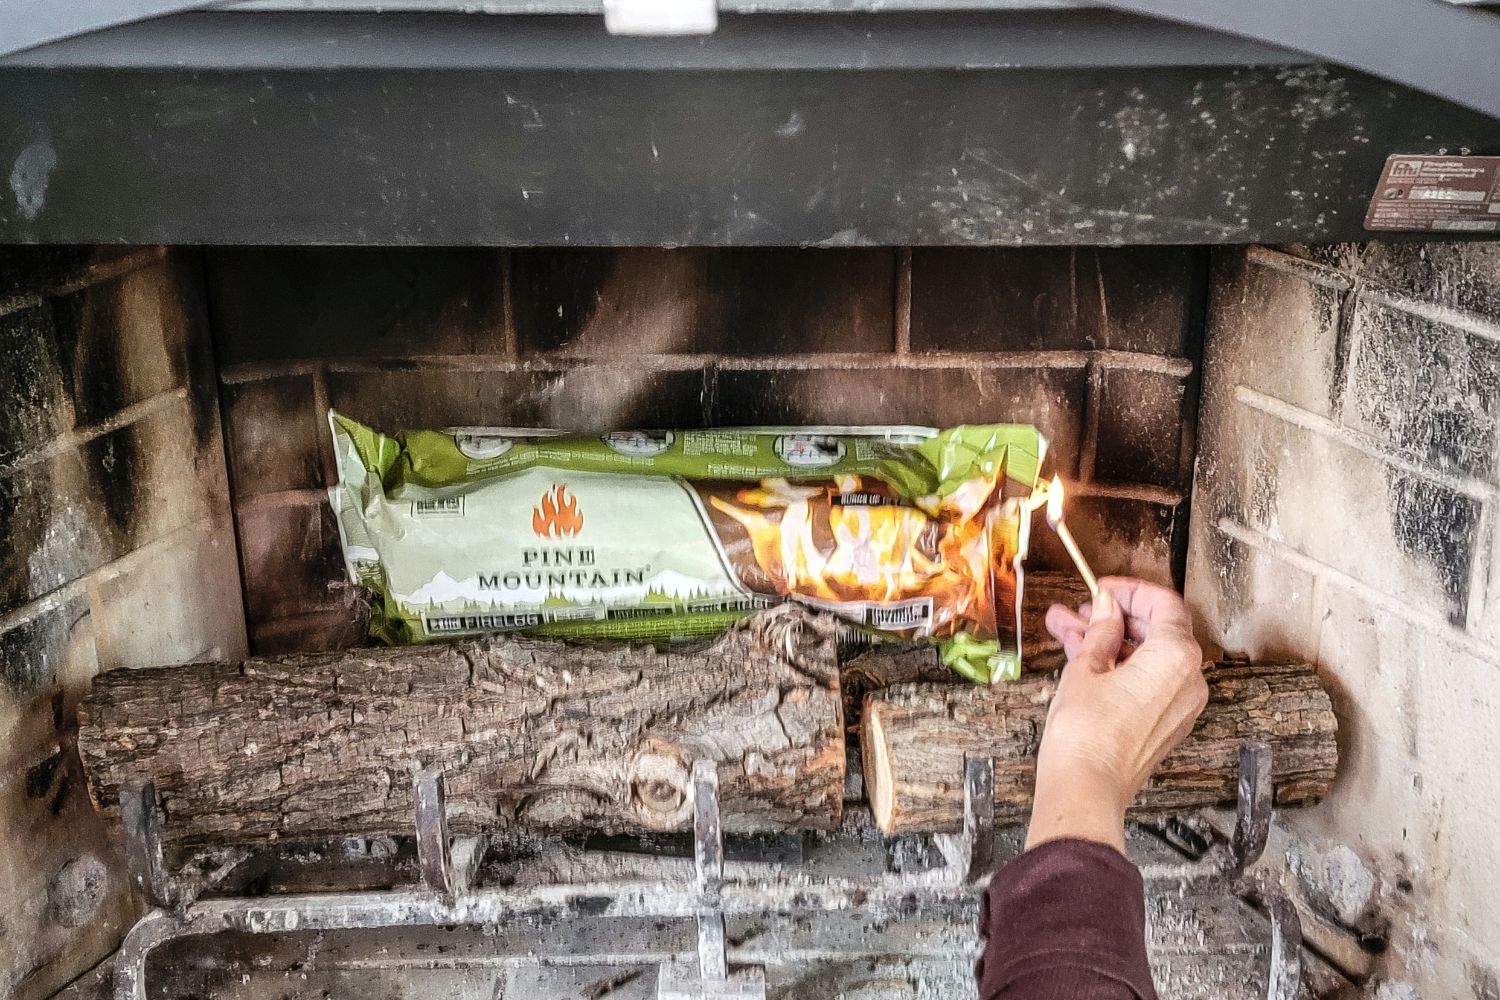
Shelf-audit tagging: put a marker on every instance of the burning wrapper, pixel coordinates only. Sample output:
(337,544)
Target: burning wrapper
(670,534)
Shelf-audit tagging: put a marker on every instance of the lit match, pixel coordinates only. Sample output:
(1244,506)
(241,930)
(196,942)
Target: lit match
(1055,519)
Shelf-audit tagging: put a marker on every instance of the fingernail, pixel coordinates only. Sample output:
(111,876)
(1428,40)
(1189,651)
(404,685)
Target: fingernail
(1104,606)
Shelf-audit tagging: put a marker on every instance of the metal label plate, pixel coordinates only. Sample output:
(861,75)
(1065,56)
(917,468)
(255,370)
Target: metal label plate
(1439,194)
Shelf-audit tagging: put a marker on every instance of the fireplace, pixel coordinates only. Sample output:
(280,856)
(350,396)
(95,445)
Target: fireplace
(1300,435)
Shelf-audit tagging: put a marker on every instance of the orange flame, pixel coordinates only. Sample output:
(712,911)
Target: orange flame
(883,552)
(557,514)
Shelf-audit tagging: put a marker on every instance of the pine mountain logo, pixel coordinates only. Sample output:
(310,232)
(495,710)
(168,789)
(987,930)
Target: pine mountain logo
(557,516)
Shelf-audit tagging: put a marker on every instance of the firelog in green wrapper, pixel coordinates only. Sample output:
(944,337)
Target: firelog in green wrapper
(906,532)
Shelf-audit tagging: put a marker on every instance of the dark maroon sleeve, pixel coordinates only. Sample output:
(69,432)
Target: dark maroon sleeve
(1065,921)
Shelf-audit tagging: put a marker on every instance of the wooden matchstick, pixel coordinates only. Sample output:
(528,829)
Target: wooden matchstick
(1071,545)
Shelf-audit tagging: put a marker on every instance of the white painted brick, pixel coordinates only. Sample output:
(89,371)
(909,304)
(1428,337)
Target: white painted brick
(1378,505)
(1275,329)
(1399,532)
(1247,600)
(182,602)
(1418,787)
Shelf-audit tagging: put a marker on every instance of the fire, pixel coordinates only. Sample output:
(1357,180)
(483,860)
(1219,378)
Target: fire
(557,515)
(811,547)
(1055,502)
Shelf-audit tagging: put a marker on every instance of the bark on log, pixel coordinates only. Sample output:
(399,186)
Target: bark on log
(1045,588)
(530,733)
(914,739)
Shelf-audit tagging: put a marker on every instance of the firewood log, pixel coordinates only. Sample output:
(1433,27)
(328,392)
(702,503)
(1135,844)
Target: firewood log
(530,733)
(914,739)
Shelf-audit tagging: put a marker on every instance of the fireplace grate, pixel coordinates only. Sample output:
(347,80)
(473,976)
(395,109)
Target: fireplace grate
(450,892)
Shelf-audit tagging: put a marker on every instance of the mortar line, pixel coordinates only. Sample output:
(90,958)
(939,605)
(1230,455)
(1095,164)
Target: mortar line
(1088,446)
(1475,489)
(91,274)
(1443,629)
(1103,295)
(1320,587)
(302,496)
(107,270)
(1073,286)
(282,624)
(1480,568)
(131,560)
(902,320)
(1432,312)
(1144,492)
(261,371)
(70,439)
(53,599)
(79,586)
(19,303)
(1310,271)
(510,340)
(1348,339)
(327,464)
(255,371)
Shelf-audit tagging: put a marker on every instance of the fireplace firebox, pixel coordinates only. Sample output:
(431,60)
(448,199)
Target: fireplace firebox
(1145,237)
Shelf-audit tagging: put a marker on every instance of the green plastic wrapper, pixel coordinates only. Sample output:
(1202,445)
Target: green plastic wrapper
(651,535)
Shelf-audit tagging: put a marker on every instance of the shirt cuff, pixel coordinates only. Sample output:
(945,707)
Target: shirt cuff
(1066,908)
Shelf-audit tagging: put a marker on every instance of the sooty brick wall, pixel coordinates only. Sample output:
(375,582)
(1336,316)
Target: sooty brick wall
(1096,347)
(116,550)
(1345,513)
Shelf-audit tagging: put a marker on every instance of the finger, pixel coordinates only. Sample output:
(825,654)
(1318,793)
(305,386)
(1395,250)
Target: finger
(1061,620)
(1072,641)
(1150,602)
(1136,629)
(1104,634)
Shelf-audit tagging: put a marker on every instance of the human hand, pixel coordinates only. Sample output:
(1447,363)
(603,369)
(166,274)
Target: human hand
(1130,692)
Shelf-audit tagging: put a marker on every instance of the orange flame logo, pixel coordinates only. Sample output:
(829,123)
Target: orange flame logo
(557,515)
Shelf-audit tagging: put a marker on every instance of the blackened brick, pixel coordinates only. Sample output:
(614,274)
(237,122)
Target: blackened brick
(33,386)
(290,559)
(78,510)
(1277,329)
(1118,536)
(1340,256)
(1051,398)
(1439,528)
(585,398)
(338,628)
(124,340)
(33,270)
(604,302)
(1141,429)
(1008,299)
(271,432)
(1431,391)
(47,649)
(272,304)
(1343,507)
(1149,299)
(995,300)
(1461,276)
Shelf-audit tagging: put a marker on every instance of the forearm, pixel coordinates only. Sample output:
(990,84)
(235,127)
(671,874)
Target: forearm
(1072,801)
(1065,921)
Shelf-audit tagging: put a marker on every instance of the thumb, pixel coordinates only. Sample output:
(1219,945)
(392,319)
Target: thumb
(1104,634)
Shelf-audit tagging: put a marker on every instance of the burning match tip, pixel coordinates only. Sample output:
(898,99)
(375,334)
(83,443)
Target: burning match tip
(1055,502)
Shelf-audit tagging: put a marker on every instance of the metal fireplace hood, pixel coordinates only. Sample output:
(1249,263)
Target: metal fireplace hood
(322,121)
